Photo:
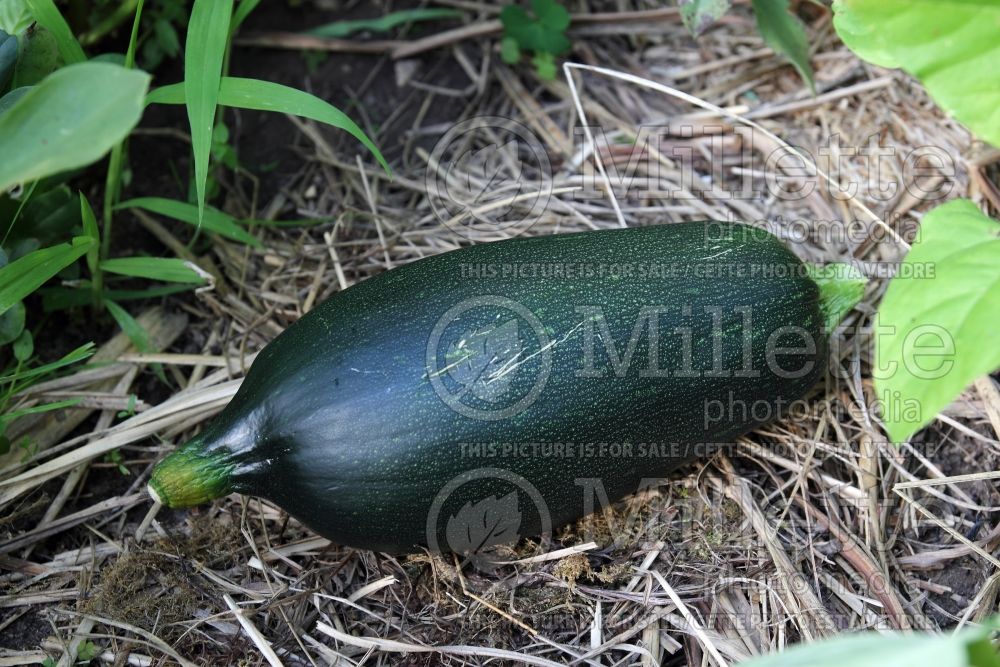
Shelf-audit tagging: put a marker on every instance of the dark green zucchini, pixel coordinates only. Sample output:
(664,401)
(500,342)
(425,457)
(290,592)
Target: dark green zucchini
(475,396)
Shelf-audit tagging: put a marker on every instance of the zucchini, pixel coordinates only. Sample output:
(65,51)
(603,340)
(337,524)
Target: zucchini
(469,396)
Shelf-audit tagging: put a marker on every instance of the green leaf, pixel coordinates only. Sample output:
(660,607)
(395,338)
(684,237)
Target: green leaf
(545,65)
(784,33)
(24,346)
(510,52)
(531,33)
(933,334)
(952,47)
(90,229)
(167,269)
(23,276)
(384,23)
(8,57)
(87,651)
(699,14)
(870,649)
(61,298)
(46,15)
(45,407)
(267,96)
(8,100)
(15,17)
(77,355)
(39,58)
(242,12)
(12,323)
(551,14)
(129,325)
(69,120)
(204,53)
(213,219)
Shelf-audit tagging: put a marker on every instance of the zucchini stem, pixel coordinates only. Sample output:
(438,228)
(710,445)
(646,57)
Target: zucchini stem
(190,476)
(841,287)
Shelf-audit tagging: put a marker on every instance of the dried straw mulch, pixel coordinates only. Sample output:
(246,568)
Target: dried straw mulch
(810,527)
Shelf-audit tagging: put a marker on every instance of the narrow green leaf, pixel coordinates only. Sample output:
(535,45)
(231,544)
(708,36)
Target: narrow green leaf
(267,96)
(952,47)
(697,15)
(242,12)
(784,33)
(77,355)
(134,37)
(167,269)
(23,276)
(130,326)
(69,120)
(214,220)
(204,53)
(933,335)
(90,229)
(61,298)
(384,23)
(47,15)
(45,407)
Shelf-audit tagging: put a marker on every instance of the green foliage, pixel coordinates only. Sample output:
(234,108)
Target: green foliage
(212,219)
(952,47)
(543,33)
(15,17)
(167,269)
(784,33)
(384,23)
(970,648)
(935,330)
(46,15)
(23,276)
(39,57)
(87,651)
(204,55)
(699,14)
(8,58)
(69,120)
(268,96)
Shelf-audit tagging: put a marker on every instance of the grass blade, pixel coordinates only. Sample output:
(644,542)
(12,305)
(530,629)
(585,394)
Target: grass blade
(23,276)
(61,298)
(213,219)
(242,12)
(130,326)
(45,407)
(268,96)
(46,15)
(166,269)
(385,23)
(204,53)
(77,355)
